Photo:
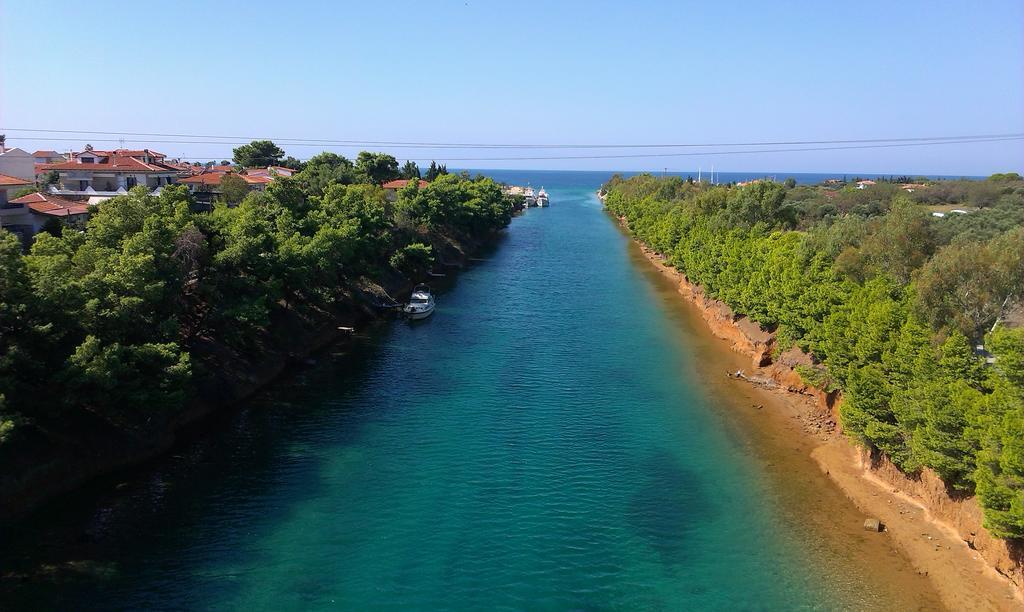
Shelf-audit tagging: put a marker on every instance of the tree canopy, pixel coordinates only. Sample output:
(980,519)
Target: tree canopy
(124,323)
(233,188)
(377,167)
(258,153)
(888,299)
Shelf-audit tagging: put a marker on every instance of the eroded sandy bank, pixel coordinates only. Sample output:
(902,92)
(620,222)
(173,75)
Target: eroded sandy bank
(941,537)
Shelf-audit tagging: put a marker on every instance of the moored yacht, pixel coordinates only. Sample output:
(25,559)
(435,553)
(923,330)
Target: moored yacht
(530,198)
(542,198)
(421,303)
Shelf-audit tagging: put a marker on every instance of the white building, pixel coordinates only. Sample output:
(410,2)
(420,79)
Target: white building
(26,215)
(17,163)
(100,175)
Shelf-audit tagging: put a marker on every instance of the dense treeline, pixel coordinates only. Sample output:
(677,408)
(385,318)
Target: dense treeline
(888,299)
(995,203)
(104,323)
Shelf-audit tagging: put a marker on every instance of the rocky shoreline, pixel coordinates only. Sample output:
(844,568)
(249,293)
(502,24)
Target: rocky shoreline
(942,536)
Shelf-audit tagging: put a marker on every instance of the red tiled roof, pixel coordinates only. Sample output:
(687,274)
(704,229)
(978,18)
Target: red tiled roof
(95,152)
(46,154)
(227,168)
(137,152)
(184,167)
(12,181)
(401,183)
(115,163)
(213,178)
(47,204)
(270,171)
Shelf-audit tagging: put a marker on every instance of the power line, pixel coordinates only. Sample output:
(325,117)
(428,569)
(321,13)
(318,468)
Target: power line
(652,155)
(224,140)
(739,152)
(702,153)
(697,154)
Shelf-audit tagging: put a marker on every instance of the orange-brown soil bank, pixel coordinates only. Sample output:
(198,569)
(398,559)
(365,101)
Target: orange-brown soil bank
(941,536)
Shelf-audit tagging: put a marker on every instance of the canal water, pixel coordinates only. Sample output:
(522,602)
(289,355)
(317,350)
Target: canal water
(540,443)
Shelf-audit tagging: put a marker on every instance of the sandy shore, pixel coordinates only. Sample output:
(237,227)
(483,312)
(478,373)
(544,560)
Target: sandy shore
(789,430)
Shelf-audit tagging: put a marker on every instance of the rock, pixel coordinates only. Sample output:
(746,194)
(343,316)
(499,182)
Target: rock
(872,524)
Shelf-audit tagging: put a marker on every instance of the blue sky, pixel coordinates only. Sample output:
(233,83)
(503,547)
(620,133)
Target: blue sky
(528,72)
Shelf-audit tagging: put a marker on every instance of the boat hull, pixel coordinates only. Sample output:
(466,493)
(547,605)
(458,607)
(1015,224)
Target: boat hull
(416,315)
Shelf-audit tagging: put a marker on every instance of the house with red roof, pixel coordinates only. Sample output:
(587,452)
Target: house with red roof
(391,187)
(206,185)
(271,171)
(26,215)
(47,157)
(9,185)
(100,175)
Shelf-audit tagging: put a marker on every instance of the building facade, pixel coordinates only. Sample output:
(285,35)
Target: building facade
(99,175)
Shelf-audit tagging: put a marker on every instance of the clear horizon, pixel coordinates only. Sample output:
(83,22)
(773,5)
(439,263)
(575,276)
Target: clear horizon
(531,73)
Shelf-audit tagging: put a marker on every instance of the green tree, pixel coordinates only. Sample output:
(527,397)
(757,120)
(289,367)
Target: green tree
(966,285)
(17,305)
(1000,471)
(903,241)
(888,305)
(258,153)
(761,202)
(53,226)
(377,168)
(1008,344)
(291,162)
(49,178)
(323,170)
(233,188)
(413,260)
(410,170)
(24,192)
(435,170)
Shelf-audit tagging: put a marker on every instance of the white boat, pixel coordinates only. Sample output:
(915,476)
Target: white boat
(542,198)
(530,199)
(421,303)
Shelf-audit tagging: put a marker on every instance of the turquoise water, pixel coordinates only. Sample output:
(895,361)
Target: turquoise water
(537,444)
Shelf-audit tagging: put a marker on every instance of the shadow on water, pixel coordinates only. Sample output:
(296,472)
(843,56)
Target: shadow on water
(668,507)
(86,541)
